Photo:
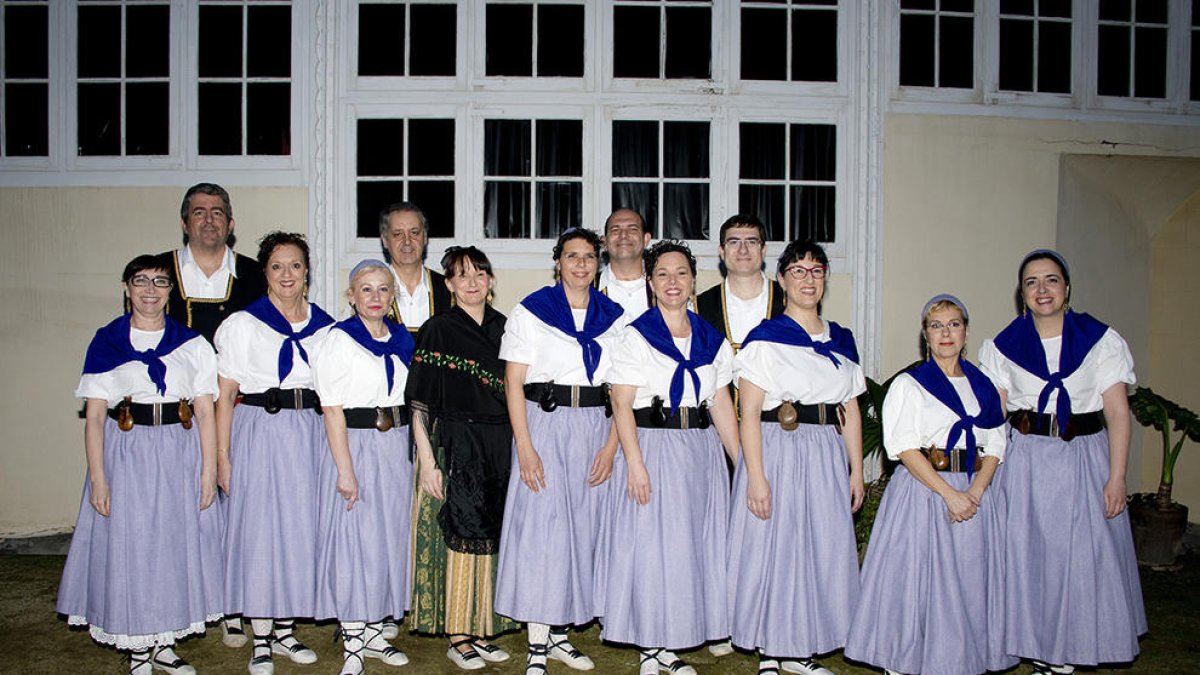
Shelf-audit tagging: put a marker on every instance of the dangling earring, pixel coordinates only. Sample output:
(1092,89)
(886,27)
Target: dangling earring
(491,295)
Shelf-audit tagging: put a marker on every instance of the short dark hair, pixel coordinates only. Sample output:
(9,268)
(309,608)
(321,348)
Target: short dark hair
(456,258)
(797,250)
(273,240)
(576,233)
(743,220)
(664,246)
(141,264)
(207,189)
(401,207)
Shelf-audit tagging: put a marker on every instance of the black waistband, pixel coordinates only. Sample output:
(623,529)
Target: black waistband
(953,460)
(276,399)
(382,418)
(1080,424)
(152,414)
(684,418)
(816,413)
(570,395)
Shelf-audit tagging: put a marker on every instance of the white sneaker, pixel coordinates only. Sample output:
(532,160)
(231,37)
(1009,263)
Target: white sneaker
(468,660)
(232,634)
(166,660)
(723,648)
(490,652)
(804,667)
(561,649)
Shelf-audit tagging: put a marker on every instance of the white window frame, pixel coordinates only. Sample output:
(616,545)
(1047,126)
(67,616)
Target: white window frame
(53,71)
(464,44)
(938,94)
(1033,98)
(846,12)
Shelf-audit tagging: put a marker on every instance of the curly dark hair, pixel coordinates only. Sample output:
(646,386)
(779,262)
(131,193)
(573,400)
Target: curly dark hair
(273,240)
(664,246)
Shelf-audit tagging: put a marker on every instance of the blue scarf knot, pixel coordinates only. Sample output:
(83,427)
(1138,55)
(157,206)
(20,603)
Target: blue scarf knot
(991,412)
(399,344)
(783,329)
(549,304)
(112,347)
(706,342)
(265,311)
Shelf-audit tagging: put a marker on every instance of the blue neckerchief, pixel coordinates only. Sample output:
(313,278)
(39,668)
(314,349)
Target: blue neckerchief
(1021,344)
(706,342)
(112,347)
(263,310)
(991,412)
(550,306)
(399,343)
(783,329)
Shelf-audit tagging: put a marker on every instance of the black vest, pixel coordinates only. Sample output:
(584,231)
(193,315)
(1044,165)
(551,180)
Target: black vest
(439,299)
(203,315)
(710,305)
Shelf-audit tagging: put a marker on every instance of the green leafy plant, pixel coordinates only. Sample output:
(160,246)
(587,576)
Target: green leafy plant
(1153,410)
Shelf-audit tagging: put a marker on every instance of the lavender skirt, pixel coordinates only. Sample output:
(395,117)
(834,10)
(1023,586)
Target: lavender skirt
(364,568)
(1073,590)
(662,582)
(151,572)
(933,591)
(271,527)
(547,545)
(793,578)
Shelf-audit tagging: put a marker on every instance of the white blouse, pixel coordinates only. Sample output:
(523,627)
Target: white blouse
(346,374)
(552,355)
(1108,363)
(630,295)
(191,372)
(914,418)
(635,362)
(798,374)
(248,353)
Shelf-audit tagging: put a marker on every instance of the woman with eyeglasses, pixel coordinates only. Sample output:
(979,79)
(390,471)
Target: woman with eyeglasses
(663,542)
(463,445)
(145,564)
(793,561)
(1073,595)
(558,349)
(365,481)
(270,437)
(933,579)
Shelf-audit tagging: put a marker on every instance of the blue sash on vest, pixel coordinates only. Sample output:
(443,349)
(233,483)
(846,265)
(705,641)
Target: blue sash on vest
(266,312)
(550,306)
(706,342)
(991,412)
(783,329)
(399,343)
(111,347)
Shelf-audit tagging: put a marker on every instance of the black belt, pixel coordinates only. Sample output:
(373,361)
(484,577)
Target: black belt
(1080,424)
(276,399)
(951,461)
(656,417)
(381,418)
(549,395)
(128,414)
(816,413)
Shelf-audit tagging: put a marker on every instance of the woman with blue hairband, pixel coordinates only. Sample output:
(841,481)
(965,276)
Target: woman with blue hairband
(1073,595)
(365,482)
(932,581)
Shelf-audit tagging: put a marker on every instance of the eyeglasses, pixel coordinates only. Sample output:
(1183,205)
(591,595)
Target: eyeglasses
(800,271)
(141,281)
(740,243)
(953,325)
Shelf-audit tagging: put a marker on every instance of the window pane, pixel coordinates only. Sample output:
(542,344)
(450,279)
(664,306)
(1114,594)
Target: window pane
(147,115)
(814,152)
(765,202)
(1022,7)
(958,5)
(560,41)
(689,42)
(1016,55)
(381,40)
(1054,57)
(812,213)
(1195,73)
(100,119)
(26,118)
(685,150)
(268,118)
(1116,10)
(636,41)
(431,147)
(1151,11)
(380,147)
(506,210)
(956,55)
(221,41)
(148,41)
(434,40)
(559,148)
(269,41)
(1150,63)
(762,152)
(1112,68)
(916,50)
(685,211)
(814,46)
(436,199)
(1055,8)
(26,40)
(764,44)
(559,207)
(506,147)
(372,198)
(641,197)
(918,4)
(635,149)
(510,40)
(99,42)
(220,118)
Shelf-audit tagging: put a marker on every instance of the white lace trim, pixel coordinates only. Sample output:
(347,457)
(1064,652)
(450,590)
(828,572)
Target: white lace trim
(139,643)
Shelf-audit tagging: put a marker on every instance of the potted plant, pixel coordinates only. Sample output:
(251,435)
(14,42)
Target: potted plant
(1158,522)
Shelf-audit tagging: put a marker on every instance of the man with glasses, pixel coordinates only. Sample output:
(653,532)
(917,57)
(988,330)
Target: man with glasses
(420,291)
(623,279)
(745,296)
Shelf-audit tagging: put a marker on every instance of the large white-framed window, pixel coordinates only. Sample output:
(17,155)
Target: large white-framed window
(1131,49)
(788,175)
(25,81)
(937,44)
(1035,45)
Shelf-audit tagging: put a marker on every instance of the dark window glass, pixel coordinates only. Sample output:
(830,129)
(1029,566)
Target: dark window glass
(1023,7)
(559,207)
(381,34)
(510,40)
(1150,62)
(268,118)
(635,149)
(814,46)
(956,52)
(220,118)
(685,210)
(506,147)
(431,147)
(220,41)
(1116,10)
(765,202)
(560,41)
(916,50)
(636,41)
(26,42)
(372,197)
(506,210)
(1016,55)
(918,4)
(1055,8)
(436,199)
(1195,73)
(1112,67)
(685,149)
(269,41)
(434,40)
(559,148)
(762,151)
(813,212)
(641,197)
(1151,11)
(814,152)
(100,42)
(147,110)
(26,117)
(148,41)
(764,44)
(958,5)
(689,42)
(380,147)
(1054,57)
(100,119)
